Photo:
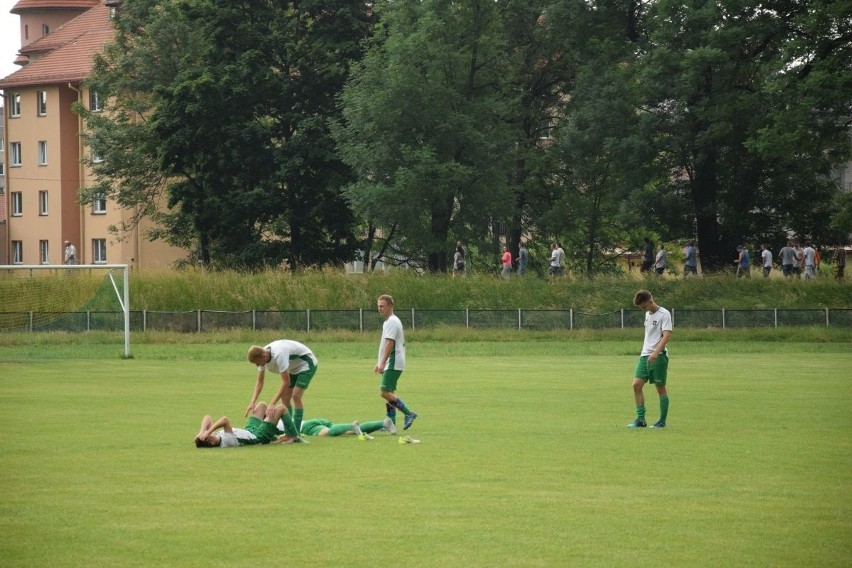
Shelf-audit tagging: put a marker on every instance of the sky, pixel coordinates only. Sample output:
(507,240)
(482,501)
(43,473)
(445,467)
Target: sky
(10,38)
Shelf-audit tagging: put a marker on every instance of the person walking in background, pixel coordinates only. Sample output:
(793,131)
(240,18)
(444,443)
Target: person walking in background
(690,260)
(743,263)
(506,259)
(296,364)
(661,260)
(391,361)
(648,259)
(799,264)
(766,257)
(560,259)
(788,259)
(70,253)
(458,261)
(523,258)
(461,248)
(809,256)
(839,260)
(653,361)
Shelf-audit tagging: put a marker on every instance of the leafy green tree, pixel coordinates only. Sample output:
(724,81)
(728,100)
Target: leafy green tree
(422,128)
(718,81)
(221,111)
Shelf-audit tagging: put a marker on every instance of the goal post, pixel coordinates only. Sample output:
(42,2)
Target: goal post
(36,297)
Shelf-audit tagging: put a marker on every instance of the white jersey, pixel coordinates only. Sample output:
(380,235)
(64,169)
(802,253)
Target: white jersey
(810,256)
(238,437)
(288,355)
(392,329)
(767,258)
(655,324)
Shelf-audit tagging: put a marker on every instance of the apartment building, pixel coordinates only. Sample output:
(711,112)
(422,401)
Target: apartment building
(44,166)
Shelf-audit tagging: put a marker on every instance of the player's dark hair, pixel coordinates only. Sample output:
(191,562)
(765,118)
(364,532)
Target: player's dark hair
(199,443)
(641,297)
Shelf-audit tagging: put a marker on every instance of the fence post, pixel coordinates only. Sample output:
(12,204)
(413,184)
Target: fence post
(361,320)
(467,317)
(723,318)
(826,317)
(308,320)
(254,320)
(198,319)
(622,318)
(673,316)
(144,320)
(519,319)
(570,319)
(775,312)
(88,320)
(412,319)
(31,315)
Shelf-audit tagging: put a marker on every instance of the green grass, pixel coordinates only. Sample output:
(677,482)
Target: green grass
(525,459)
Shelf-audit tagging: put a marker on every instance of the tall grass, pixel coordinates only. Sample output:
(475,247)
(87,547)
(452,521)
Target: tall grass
(334,289)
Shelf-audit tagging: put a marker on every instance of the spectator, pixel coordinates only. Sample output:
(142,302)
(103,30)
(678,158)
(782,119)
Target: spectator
(839,259)
(809,255)
(660,260)
(506,259)
(523,258)
(690,262)
(788,259)
(766,256)
(458,261)
(799,264)
(70,253)
(648,260)
(743,263)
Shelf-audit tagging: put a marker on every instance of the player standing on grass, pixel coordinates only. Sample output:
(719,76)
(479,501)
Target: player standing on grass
(392,361)
(295,363)
(654,360)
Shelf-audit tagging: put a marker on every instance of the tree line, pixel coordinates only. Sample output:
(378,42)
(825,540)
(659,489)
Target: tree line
(316,132)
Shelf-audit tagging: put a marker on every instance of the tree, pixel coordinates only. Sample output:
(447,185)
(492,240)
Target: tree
(222,110)
(421,127)
(713,76)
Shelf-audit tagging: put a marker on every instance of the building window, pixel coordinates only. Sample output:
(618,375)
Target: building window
(17,252)
(42,152)
(45,29)
(42,202)
(17,204)
(99,251)
(15,154)
(99,205)
(43,252)
(95,102)
(14,105)
(41,100)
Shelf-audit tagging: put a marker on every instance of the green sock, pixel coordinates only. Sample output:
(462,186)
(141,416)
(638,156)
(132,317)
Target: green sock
(664,407)
(640,411)
(289,427)
(338,429)
(373,426)
(297,418)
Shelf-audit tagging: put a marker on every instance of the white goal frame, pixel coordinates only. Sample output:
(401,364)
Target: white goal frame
(123,296)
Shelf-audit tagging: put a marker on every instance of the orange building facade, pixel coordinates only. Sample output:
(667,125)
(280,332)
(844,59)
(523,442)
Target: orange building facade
(44,149)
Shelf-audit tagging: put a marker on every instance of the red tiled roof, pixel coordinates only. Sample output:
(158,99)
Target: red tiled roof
(41,5)
(95,19)
(70,61)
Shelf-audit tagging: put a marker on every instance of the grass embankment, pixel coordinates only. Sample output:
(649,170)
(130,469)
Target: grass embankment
(334,289)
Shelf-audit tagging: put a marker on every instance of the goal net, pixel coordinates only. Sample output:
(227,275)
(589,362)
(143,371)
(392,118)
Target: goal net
(65,298)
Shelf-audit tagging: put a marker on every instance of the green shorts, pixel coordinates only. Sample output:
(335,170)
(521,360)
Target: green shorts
(389,380)
(655,373)
(302,380)
(265,431)
(314,426)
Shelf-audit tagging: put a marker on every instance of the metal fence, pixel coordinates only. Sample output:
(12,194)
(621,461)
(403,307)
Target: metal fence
(197,321)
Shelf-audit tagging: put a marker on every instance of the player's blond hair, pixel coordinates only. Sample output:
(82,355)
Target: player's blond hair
(387,298)
(255,354)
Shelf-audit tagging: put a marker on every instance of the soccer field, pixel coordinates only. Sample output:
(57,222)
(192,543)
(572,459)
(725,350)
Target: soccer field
(525,460)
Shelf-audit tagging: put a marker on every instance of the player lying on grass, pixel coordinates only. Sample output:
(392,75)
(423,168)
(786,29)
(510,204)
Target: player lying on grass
(260,429)
(324,427)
